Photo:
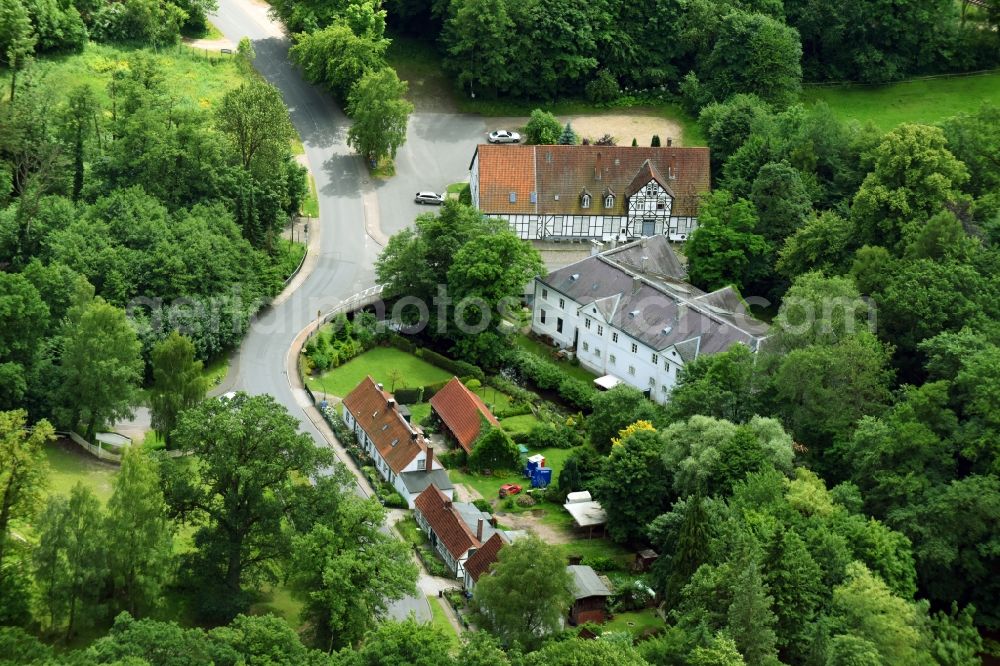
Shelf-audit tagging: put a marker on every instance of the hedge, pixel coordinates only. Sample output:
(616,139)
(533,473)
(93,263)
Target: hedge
(459,368)
(577,393)
(409,396)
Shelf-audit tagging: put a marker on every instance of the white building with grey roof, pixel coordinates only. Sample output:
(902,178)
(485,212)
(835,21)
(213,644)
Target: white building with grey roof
(627,312)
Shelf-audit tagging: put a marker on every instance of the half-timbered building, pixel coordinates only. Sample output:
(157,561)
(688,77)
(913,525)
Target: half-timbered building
(591,192)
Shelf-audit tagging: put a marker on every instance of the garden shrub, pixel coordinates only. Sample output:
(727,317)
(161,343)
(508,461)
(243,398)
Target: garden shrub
(459,368)
(602,88)
(409,396)
(482,505)
(526,501)
(553,435)
(576,392)
(454,459)
(495,450)
(394,500)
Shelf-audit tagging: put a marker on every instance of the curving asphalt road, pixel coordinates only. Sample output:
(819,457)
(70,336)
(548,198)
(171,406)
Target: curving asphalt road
(346,252)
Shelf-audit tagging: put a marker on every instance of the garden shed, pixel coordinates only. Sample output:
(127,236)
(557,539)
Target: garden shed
(591,596)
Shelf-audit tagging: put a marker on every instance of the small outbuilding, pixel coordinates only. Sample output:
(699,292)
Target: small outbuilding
(591,596)
(644,559)
(462,412)
(587,513)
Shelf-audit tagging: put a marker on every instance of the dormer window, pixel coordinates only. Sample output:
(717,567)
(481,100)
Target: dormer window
(585,200)
(609,201)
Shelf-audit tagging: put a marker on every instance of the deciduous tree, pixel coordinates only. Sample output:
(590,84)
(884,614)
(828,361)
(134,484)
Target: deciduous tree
(634,486)
(101,366)
(138,534)
(380,114)
(725,248)
(345,567)
(69,562)
(526,594)
(255,119)
(177,383)
(246,450)
(23,469)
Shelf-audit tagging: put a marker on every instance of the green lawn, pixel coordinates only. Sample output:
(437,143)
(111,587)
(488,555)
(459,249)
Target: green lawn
(926,101)
(545,352)
(419,412)
(487,486)
(69,464)
(310,205)
(440,620)
(635,621)
(519,424)
(192,79)
(378,363)
(597,547)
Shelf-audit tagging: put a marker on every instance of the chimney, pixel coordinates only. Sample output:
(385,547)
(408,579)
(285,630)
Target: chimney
(430,457)
(670,141)
(447,503)
(479,530)
(390,403)
(493,521)
(645,260)
(636,284)
(380,387)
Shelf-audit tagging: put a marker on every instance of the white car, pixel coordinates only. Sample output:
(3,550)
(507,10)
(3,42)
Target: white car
(504,136)
(432,198)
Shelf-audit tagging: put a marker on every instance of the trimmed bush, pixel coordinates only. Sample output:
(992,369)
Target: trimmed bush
(409,396)
(526,501)
(401,343)
(601,563)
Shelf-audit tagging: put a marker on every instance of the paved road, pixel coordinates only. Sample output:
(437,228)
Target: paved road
(346,252)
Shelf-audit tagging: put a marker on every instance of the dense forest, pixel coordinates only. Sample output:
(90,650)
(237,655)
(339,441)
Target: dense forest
(701,50)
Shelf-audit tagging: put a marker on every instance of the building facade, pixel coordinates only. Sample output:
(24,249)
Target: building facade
(591,192)
(627,312)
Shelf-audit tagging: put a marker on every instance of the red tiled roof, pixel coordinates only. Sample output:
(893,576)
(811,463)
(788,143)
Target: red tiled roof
(462,411)
(396,440)
(445,521)
(479,562)
(509,171)
(566,171)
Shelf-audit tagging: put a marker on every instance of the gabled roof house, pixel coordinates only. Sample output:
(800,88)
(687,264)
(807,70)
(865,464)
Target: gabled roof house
(457,530)
(401,454)
(627,312)
(591,192)
(462,412)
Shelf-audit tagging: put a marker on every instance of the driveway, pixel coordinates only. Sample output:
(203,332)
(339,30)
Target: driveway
(437,152)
